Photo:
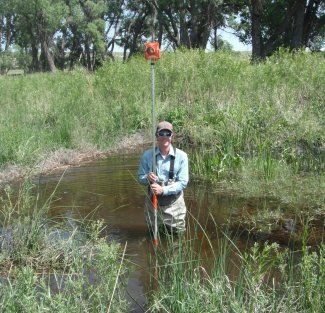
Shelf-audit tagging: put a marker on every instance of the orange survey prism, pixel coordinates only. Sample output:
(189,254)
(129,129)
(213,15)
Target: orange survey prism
(152,52)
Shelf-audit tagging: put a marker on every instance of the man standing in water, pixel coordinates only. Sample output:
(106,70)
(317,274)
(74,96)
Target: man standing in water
(167,183)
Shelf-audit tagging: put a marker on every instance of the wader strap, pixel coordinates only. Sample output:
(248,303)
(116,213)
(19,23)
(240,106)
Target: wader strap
(171,167)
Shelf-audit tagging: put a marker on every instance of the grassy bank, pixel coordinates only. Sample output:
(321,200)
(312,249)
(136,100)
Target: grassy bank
(59,265)
(255,129)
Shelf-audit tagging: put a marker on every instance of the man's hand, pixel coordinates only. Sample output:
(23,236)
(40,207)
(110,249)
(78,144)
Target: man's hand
(152,177)
(157,189)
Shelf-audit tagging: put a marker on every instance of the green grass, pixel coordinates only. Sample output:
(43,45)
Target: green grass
(262,278)
(56,265)
(214,99)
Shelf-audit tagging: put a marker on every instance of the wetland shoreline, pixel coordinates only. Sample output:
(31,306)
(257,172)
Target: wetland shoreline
(61,159)
(286,229)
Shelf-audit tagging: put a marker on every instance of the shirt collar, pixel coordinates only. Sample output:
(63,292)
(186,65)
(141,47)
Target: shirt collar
(171,151)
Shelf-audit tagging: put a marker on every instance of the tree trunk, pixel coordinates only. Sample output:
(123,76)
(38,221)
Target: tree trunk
(60,58)
(215,38)
(160,32)
(47,53)
(206,24)
(45,39)
(184,38)
(201,23)
(172,30)
(1,30)
(298,30)
(256,12)
(35,66)
(8,32)
(137,31)
(35,62)
(194,27)
(311,10)
(88,56)
(76,49)
(126,46)
(270,45)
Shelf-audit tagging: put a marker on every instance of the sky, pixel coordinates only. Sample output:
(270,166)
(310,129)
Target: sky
(233,40)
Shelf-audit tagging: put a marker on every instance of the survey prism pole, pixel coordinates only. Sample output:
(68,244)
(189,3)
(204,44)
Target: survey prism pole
(152,53)
(153,111)
(154,196)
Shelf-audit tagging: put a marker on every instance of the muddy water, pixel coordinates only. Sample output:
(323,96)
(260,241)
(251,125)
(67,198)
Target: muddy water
(108,189)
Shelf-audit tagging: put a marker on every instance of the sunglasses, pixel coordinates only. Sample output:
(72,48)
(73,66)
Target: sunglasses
(164,134)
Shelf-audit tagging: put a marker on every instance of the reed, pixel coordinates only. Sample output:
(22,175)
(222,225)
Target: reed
(265,278)
(60,265)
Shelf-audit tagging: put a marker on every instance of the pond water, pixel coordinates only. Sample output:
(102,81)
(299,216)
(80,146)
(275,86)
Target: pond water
(108,189)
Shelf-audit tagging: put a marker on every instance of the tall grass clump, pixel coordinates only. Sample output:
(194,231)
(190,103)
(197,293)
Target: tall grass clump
(265,278)
(56,265)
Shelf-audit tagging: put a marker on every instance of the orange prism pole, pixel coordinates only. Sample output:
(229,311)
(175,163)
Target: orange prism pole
(155,208)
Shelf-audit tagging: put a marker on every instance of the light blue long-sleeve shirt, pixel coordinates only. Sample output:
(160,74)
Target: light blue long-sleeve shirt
(181,174)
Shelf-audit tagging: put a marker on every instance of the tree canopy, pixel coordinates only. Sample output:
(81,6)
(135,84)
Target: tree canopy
(44,35)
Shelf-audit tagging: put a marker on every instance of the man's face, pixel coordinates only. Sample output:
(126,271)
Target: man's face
(164,138)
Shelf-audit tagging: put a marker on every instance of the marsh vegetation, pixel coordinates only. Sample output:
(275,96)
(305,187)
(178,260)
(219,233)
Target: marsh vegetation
(255,130)
(56,264)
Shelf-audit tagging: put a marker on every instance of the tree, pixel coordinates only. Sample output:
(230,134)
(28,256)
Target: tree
(113,18)
(136,26)
(268,24)
(37,21)
(87,33)
(6,24)
(189,23)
